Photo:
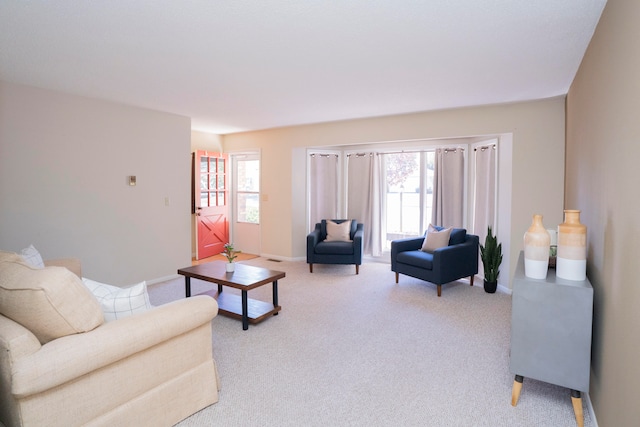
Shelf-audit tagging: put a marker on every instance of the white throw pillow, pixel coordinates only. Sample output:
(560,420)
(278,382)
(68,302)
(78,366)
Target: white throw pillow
(32,257)
(339,232)
(119,302)
(435,239)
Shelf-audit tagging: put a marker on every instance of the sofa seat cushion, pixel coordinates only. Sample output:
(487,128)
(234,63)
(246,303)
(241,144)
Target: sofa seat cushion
(51,302)
(334,248)
(416,258)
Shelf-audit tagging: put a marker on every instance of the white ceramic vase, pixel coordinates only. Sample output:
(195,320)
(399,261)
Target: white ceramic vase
(536,249)
(231,267)
(571,263)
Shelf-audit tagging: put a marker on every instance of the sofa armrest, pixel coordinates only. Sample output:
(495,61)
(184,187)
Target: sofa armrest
(404,245)
(358,243)
(72,264)
(16,341)
(313,239)
(450,261)
(72,356)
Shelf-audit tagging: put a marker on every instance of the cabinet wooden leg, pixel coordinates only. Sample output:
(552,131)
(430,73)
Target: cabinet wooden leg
(397,275)
(357,269)
(439,290)
(517,388)
(576,400)
(310,268)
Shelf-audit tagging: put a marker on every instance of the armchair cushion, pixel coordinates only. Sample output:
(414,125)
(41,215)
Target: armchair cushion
(32,256)
(458,236)
(51,302)
(339,231)
(435,239)
(337,248)
(416,258)
(117,302)
(323,227)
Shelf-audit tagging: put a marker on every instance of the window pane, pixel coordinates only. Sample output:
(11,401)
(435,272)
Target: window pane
(221,166)
(249,208)
(249,175)
(403,195)
(221,195)
(204,200)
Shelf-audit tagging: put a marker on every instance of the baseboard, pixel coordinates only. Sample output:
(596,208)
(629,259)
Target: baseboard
(163,279)
(504,290)
(592,414)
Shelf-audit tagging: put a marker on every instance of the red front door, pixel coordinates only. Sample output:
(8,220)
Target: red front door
(212,230)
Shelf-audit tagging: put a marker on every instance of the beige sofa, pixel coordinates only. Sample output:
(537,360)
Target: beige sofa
(62,365)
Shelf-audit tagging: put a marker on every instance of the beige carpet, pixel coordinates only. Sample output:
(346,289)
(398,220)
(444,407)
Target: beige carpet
(351,350)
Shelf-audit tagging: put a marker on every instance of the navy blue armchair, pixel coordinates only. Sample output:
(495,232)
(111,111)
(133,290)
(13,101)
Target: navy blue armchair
(457,260)
(319,251)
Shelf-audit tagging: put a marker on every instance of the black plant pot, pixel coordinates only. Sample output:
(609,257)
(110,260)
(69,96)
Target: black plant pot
(490,287)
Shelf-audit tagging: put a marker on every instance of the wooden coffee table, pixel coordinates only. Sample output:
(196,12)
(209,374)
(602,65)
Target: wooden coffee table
(245,278)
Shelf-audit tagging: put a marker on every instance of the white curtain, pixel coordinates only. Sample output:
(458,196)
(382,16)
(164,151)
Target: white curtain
(323,187)
(448,187)
(364,198)
(484,191)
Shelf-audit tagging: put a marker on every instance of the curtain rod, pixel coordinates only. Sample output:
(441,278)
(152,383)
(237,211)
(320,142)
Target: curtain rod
(486,147)
(446,150)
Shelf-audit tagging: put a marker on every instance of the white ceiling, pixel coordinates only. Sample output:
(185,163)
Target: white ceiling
(235,65)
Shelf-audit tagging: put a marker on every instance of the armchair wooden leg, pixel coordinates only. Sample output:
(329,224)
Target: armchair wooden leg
(439,290)
(576,400)
(397,276)
(357,269)
(310,268)
(517,388)
(471,279)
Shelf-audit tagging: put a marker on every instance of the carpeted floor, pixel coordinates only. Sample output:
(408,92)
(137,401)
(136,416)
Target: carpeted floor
(360,350)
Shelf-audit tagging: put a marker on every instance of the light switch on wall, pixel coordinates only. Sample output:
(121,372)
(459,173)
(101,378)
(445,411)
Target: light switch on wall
(132,180)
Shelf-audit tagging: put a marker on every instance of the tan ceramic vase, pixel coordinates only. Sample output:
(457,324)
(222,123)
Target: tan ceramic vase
(571,263)
(536,250)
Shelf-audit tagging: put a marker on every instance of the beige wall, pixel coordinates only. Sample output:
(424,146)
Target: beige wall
(536,179)
(602,181)
(64,162)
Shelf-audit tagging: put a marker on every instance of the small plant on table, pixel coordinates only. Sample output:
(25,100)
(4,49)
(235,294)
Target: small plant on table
(229,252)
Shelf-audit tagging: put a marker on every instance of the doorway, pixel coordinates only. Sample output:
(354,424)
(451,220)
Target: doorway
(245,216)
(211,203)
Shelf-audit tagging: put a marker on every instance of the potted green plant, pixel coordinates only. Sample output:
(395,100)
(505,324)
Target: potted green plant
(491,255)
(230,253)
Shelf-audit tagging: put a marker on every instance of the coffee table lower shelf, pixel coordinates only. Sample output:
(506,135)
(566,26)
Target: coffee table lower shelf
(230,305)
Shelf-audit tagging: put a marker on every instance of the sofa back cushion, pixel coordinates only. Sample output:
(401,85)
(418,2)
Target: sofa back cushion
(51,302)
(458,235)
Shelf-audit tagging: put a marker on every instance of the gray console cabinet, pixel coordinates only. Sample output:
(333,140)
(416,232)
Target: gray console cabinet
(551,323)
